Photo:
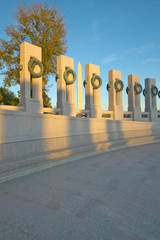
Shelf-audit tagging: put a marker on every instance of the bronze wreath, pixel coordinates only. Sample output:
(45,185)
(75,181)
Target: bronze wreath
(108,86)
(117,82)
(137,88)
(154,90)
(66,73)
(31,65)
(93,79)
(127,89)
(144,92)
(84,83)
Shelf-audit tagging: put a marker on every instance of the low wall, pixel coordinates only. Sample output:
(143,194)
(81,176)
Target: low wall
(22,133)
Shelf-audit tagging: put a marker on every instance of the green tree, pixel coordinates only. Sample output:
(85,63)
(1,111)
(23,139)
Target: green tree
(46,100)
(7,97)
(1,98)
(38,24)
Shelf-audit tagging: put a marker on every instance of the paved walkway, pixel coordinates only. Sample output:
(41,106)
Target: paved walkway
(109,196)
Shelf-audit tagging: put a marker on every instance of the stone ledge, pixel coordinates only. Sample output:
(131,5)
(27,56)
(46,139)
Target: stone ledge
(11,164)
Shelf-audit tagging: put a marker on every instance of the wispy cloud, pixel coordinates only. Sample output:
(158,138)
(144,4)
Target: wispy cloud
(111,58)
(141,49)
(151,60)
(95,28)
(136,50)
(122,54)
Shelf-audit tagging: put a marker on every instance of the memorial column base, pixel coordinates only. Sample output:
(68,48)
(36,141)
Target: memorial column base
(117,112)
(69,109)
(137,114)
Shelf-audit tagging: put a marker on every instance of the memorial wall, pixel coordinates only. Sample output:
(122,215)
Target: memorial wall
(30,128)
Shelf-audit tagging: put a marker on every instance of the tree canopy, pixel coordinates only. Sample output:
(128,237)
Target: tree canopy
(7,97)
(38,24)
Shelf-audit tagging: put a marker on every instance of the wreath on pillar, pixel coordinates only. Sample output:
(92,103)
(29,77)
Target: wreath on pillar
(57,77)
(144,92)
(154,90)
(93,79)
(66,74)
(31,66)
(108,86)
(118,85)
(138,88)
(127,89)
(84,83)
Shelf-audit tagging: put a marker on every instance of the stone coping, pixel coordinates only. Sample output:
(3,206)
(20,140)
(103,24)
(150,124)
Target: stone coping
(11,164)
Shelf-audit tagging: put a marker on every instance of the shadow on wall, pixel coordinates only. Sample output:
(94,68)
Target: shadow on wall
(21,131)
(104,132)
(79,134)
(155,128)
(71,132)
(58,130)
(56,127)
(81,128)
(114,130)
(138,132)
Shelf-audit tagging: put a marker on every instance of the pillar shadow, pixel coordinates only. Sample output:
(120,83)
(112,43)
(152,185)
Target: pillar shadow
(21,134)
(79,132)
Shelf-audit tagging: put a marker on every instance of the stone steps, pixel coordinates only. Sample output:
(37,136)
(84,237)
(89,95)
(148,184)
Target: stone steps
(11,164)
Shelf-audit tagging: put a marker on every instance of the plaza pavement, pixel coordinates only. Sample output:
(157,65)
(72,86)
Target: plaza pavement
(103,196)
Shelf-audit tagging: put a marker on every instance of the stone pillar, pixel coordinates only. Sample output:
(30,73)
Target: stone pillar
(92,96)
(134,97)
(79,88)
(30,87)
(65,92)
(150,99)
(115,98)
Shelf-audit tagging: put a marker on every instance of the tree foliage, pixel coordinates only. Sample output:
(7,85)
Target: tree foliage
(7,97)
(38,24)
(46,100)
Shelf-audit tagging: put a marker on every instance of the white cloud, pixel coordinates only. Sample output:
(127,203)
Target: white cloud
(151,60)
(136,50)
(141,49)
(95,28)
(132,51)
(111,58)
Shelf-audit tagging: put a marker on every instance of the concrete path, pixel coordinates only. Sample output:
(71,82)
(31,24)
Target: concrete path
(109,196)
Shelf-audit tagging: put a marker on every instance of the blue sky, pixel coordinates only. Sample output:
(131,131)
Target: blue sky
(120,34)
